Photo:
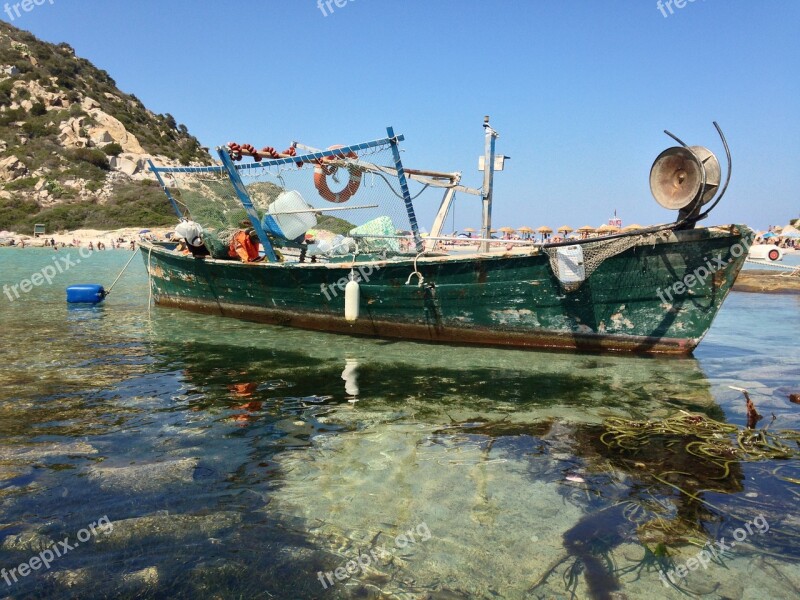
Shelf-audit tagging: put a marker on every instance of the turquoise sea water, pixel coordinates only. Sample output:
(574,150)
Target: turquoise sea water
(220,459)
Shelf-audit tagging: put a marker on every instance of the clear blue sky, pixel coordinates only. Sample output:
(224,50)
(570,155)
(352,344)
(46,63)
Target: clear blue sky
(580,91)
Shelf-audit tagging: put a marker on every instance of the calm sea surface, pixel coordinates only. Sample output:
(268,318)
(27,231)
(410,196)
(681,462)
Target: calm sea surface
(154,453)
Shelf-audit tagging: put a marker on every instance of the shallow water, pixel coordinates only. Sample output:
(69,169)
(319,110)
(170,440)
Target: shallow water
(218,458)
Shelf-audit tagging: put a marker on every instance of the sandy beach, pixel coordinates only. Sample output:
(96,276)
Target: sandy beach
(84,236)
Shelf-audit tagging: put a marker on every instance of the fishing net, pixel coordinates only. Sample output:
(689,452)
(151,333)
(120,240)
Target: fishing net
(352,195)
(592,255)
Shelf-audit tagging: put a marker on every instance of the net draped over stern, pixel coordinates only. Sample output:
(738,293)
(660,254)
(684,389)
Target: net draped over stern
(292,196)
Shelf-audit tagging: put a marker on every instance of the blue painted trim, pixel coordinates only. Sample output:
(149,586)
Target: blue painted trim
(312,157)
(214,169)
(165,190)
(401,176)
(271,225)
(244,198)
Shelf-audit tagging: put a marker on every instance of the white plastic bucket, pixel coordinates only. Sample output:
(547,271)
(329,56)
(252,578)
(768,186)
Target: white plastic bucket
(292,225)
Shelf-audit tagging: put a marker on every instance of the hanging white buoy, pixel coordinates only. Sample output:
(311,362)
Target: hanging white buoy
(352,299)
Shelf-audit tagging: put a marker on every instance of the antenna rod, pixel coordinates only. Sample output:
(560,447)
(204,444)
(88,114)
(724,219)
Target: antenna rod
(488,182)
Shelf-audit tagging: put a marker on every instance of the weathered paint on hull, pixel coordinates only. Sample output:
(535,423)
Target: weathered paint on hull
(499,300)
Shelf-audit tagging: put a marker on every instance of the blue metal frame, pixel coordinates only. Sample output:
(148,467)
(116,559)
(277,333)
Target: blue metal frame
(164,188)
(241,191)
(311,157)
(401,176)
(244,198)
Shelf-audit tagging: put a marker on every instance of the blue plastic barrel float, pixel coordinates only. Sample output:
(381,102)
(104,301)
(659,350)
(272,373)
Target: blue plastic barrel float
(88,293)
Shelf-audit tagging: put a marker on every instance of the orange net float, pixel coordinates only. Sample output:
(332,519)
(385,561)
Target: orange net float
(321,172)
(236,152)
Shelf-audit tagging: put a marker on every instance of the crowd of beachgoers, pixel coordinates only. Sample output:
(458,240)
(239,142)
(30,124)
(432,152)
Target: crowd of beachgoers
(93,239)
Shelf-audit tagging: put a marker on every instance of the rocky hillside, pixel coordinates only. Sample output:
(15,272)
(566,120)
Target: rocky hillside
(73,147)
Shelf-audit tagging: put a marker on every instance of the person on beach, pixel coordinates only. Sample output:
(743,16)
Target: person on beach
(133,244)
(91,247)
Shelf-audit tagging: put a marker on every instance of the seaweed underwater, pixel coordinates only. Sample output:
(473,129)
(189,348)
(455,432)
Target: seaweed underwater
(667,484)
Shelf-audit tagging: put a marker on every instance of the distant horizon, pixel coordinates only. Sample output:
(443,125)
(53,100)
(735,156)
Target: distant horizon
(580,97)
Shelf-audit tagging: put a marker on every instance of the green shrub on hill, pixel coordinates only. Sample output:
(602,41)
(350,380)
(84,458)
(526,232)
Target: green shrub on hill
(23,183)
(135,204)
(112,149)
(31,136)
(92,156)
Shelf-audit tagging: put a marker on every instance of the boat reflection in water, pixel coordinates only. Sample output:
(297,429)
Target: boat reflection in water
(501,454)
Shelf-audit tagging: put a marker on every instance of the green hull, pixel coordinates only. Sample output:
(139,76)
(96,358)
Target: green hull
(628,304)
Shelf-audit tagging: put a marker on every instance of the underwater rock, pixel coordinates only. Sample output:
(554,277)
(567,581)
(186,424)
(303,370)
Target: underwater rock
(174,526)
(27,541)
(142,578)
(70,577)
(39,451)
(145,477)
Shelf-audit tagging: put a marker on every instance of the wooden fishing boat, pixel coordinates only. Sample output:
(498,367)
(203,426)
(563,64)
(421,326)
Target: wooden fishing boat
(652,290)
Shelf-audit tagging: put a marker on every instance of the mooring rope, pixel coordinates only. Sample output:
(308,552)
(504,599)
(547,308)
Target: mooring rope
(108,291)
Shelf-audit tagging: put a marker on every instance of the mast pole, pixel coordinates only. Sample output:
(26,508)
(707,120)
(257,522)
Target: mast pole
(164,188)
(488,182)
(244,198)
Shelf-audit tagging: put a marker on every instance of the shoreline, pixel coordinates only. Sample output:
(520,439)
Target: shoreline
(82,237)
(764,281)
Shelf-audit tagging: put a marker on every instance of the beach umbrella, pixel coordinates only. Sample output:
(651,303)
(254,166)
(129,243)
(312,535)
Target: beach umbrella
(544,229)
(507,229)
(565,229)
(604,229)
(790,232)
(632,227)
(768,235)
(144,231)
(525,231)
(469,230)
(586,228)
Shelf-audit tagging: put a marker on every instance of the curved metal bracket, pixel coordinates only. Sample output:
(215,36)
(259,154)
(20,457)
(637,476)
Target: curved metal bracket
(728,176)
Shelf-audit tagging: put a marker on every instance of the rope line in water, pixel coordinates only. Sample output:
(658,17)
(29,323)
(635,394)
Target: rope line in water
(108,291)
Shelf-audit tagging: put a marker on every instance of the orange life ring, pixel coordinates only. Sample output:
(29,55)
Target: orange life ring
(321,180)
